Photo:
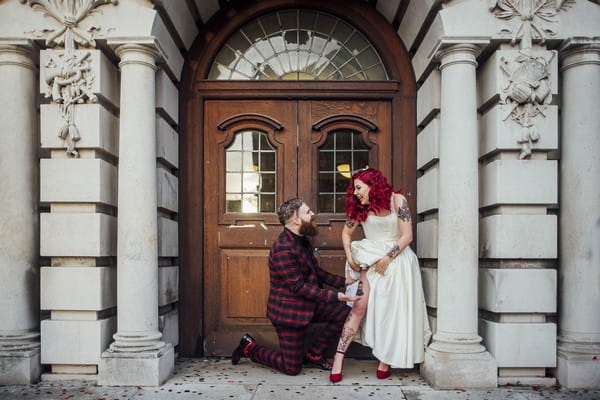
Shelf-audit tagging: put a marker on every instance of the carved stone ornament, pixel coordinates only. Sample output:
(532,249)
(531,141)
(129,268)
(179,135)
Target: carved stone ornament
(69,81)
(526,95)
(68,75)
(69,14)
(533,17)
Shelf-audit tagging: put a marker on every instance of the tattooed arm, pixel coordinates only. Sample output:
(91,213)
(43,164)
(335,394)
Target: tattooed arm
(406,236)
(349,229)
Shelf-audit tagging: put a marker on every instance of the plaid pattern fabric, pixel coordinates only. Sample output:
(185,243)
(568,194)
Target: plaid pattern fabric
(297,282)
(291,340)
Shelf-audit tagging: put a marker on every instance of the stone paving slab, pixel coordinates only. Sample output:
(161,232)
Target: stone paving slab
(217,379)
(65,391)
(198,391)
(313,392)
(356,372)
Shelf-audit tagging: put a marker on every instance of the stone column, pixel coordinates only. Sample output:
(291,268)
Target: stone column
(455,358)
(137,356)
(19,216)
(579,326)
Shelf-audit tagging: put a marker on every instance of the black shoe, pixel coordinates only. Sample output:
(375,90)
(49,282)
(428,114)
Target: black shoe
(238,352)
(321,363)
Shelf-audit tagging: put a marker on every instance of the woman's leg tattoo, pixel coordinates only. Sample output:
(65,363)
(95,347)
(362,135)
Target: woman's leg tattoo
(347,335)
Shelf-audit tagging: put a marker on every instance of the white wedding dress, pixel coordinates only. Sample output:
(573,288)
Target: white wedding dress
(396,325)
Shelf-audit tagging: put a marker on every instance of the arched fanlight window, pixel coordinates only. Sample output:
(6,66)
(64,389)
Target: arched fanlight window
(297,45)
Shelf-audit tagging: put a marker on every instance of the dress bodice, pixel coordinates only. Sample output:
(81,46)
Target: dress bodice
(381,227)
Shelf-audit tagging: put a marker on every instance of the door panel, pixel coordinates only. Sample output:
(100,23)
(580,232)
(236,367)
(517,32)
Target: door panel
(236,247)
(317,120)
(237,235)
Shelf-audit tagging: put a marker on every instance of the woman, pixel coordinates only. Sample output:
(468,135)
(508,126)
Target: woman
(396,325)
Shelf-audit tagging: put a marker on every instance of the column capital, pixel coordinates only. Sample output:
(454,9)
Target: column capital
(18,52)
(449,45)
(464,53)
(575,52)
(133,53)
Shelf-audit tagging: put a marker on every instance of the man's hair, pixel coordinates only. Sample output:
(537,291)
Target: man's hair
(288,208)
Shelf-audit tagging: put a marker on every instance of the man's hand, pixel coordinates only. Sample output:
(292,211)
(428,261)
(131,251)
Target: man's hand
(381,265)
(344,297)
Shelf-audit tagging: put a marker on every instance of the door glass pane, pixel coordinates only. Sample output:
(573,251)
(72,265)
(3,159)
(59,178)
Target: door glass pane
(233,202)
(251,176)
(326,202)
(267,183)
(267,202)
(343,153)
(298,44)
(267,161)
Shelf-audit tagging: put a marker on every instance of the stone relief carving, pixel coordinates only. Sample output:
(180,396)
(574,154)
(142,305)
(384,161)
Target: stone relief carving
(526,95)
(533,18)
(68,74)
(69,81)
(528,90)
(69,14)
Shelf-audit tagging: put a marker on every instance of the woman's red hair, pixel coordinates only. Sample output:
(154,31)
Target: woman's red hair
(380,195)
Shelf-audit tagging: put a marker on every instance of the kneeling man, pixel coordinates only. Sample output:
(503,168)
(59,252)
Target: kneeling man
(297,298)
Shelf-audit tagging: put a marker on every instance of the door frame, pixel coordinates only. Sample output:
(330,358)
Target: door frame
(194,90)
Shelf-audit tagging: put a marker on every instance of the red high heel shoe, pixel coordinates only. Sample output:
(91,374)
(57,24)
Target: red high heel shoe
(334,378)
(383,374)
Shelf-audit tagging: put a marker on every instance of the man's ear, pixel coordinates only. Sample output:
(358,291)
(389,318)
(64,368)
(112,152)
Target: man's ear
(296,219)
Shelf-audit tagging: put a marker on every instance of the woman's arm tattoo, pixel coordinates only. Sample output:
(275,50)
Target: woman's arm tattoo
(404,212)
(350,224)
(394,251)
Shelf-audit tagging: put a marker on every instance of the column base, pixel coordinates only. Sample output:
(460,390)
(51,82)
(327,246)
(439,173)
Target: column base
(20,367)
(458,370)
(577,370)
(136,369)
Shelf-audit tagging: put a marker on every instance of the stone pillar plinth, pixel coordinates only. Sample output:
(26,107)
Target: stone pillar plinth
(578,364)
(137,356)
(456,358)
(19,216)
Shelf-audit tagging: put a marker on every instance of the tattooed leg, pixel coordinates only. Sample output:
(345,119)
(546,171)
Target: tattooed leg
(351,325)
(345,339)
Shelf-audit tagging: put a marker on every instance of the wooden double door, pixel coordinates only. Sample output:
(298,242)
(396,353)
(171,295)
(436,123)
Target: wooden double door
(257,154)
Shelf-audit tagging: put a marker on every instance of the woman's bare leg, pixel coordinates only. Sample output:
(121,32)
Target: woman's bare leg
(356,315)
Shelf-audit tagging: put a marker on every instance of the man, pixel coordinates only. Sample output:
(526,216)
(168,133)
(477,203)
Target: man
(297,298)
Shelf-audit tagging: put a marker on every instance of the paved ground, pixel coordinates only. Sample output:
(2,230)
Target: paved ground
(218,379)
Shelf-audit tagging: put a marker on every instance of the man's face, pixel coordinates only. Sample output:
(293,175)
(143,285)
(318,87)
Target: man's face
(307,218)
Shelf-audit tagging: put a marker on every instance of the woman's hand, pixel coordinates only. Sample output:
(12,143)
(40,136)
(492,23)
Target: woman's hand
(353,265)
(381,266)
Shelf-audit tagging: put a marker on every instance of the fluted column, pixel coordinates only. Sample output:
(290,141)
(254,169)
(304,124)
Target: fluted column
(19,217)
(579,290)
(456,357)
(137,356)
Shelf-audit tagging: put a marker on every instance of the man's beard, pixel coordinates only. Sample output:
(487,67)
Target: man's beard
(308,228)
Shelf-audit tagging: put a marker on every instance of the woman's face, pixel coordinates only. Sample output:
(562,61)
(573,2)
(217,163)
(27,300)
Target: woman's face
(361,191)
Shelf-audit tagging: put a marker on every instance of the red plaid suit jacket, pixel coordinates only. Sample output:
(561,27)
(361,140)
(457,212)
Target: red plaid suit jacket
(297,281)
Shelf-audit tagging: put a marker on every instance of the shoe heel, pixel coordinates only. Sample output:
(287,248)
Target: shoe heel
(335,378)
